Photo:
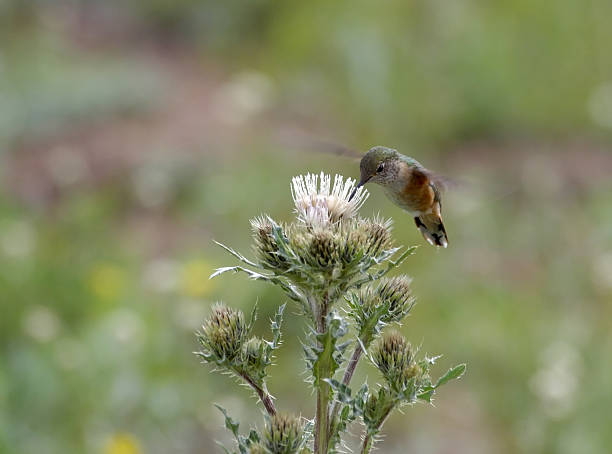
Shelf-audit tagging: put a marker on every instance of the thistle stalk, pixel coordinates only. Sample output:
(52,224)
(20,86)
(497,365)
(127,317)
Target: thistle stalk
(368,439)
(266,398)
(323,388)
(346,380)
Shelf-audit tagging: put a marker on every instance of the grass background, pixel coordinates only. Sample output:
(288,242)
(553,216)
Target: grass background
(132,134)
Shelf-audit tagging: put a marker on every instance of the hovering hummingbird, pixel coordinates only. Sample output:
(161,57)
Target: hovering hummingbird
(410,186)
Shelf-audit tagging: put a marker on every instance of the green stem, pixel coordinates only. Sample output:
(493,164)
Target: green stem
(364,339)
(323,389)
(368,440)
(348,374)
(322,419)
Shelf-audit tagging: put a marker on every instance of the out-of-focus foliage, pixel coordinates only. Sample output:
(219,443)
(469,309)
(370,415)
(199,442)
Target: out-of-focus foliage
(120,162)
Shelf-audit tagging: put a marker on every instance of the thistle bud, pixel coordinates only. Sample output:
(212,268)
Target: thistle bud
(371,407)
(223,333)
(323,251)
(356,245)
(396,294)
(412,371)
(378,236)
(393,356)
(252,352)
(258,448)
(266,246)
(283,434)
(377,407)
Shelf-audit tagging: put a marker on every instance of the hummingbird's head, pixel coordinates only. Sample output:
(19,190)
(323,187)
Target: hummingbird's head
(378,165)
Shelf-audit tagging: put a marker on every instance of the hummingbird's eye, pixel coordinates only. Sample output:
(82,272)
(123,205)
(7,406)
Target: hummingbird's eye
(381,167)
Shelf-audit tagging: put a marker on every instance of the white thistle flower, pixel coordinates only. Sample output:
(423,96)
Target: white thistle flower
(325,204)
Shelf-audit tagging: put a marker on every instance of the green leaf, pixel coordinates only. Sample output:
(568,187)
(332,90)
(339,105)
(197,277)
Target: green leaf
(239,256)
(343,392)
(225,450)
(253,437)
(290,289)
(427,395)
(329,352)
(390,266)
(253,317)
(275,326)
(252,274)
(242,441)
(453,373)
(230,424)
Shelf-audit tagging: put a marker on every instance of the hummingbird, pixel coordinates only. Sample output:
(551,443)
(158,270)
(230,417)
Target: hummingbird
(410,186)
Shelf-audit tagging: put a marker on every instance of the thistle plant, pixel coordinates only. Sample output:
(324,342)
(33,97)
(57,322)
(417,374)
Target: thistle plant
(333,265)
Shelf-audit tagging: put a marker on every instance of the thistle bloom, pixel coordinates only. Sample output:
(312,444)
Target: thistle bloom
(318,205)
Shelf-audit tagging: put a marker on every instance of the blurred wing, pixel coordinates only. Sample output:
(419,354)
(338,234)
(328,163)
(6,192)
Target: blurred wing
(442,182)
(318,145)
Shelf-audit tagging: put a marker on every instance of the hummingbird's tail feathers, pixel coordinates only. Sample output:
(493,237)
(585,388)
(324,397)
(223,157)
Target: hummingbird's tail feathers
(432,228)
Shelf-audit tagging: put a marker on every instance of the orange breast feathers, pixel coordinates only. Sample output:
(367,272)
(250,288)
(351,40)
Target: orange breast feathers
(418,193)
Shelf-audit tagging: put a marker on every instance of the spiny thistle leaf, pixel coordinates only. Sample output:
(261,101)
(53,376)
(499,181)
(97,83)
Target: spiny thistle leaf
(427,392)
(453,373)
(230,424)
(275,326)
(243,442)
(239,256)
(351,409)
(328,353)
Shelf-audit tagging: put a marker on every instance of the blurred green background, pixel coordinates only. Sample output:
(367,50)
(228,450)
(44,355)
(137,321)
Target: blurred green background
(133,133)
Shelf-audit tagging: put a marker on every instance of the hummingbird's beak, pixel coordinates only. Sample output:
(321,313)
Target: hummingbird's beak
(360,184)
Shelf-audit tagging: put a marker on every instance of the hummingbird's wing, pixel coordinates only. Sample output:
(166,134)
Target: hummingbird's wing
(442,182)
(316,144)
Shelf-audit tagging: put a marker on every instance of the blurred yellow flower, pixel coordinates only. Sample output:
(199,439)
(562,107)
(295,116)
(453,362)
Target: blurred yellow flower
(195,280)
(106,282)
(122,443)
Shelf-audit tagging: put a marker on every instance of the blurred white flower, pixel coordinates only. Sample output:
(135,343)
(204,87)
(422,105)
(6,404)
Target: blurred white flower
(153,186)
(189,314)
(165,401)
(127,390)
(247,94)
(161,275)
(558,379)
(126,326)
(321,204)
(41,323)
(18,239)
(70,354)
